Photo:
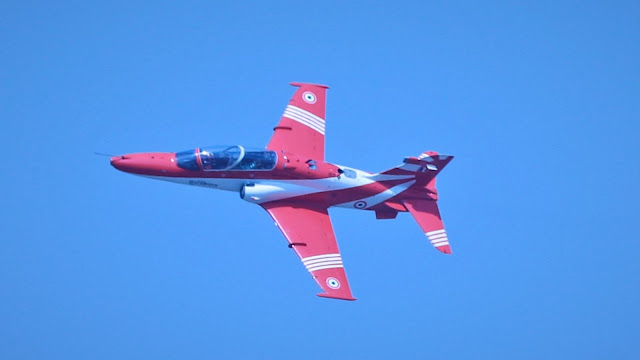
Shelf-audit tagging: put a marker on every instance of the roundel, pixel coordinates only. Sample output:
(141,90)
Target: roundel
(309,97)
(360,204)
(333,283)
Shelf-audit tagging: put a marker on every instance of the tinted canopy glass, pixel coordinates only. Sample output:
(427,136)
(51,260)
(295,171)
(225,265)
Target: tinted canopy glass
(230,158)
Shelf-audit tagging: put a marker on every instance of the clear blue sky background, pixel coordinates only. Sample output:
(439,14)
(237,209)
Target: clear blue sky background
(539,103)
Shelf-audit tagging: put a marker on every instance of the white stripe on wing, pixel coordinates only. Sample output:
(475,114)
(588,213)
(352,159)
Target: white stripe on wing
(324,261)
(305,118)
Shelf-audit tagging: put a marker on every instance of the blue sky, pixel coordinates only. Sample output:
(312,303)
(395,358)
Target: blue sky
(538,102)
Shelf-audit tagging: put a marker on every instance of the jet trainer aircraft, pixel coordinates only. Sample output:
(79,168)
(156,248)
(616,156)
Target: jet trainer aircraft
(292,181)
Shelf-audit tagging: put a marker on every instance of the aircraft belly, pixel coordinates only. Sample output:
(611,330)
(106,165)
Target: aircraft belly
(218,184)
(285,188)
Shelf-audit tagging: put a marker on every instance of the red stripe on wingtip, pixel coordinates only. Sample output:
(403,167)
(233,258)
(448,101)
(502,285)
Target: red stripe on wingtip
(445,249)
(308,84)
(336,297)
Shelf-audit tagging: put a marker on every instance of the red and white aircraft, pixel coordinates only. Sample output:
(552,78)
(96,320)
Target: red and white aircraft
(292,181)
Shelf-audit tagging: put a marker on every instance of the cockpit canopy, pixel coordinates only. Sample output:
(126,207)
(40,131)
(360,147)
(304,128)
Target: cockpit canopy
(229,158)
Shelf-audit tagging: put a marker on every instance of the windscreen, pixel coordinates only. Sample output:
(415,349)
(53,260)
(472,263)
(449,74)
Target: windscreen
(229,158)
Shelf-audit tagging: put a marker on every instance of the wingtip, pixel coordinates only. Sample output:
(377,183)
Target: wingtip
(445,249)
(328,296)
(309,84)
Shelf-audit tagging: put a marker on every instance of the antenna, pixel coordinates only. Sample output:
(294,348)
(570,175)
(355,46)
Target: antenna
(103,154)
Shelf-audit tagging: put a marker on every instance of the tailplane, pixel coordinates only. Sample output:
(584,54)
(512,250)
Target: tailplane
(427,215)
(420,199)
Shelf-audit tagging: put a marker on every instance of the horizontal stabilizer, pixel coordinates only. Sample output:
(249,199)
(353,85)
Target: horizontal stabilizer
(427,215)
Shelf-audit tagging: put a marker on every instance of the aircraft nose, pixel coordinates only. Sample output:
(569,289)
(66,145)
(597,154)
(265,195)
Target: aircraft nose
(157,164)
(128,163)
(117,159)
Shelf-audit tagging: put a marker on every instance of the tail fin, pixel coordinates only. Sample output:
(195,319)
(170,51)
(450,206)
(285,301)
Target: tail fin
(424,167)
(427,215)
(421,198)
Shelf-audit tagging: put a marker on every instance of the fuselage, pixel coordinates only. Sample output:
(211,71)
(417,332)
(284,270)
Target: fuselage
(262,176)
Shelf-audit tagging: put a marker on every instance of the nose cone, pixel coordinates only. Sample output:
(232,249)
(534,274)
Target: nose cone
(123,163)
(156,164)
(115,159)
(128,163)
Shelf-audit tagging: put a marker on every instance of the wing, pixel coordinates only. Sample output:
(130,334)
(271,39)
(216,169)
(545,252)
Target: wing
(301,128)
(427,215)
(310,234)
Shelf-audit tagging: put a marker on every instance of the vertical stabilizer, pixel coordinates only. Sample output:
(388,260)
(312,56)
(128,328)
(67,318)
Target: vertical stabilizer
(424,167)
